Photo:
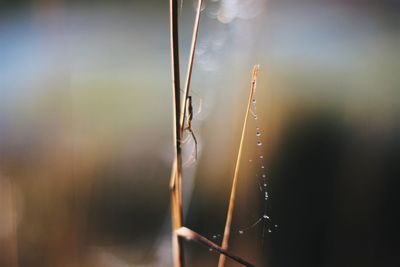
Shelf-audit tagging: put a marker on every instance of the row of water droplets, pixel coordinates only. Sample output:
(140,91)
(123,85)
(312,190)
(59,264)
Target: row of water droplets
(262,181)
(260,175)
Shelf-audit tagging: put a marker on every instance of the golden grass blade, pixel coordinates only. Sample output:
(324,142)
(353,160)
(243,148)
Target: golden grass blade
(231,206)
(176,193)
(191,60)
(193,236)
(180,113)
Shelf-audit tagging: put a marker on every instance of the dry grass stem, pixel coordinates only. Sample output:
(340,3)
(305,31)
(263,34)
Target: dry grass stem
(191,60)
(231,206)
(193,236)
(179,117)
(176,192)
(180,105)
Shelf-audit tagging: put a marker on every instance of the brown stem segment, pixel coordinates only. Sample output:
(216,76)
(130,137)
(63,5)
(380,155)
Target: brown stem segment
(227,231)
(191,60)
(179,119)
(193,236)
(176,192)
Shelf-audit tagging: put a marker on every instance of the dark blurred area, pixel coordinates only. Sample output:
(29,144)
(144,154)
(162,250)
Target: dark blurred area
(336,194)
(86,132)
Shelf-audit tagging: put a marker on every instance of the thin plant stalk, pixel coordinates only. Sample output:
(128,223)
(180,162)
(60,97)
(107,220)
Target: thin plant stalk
(229,216)
(176,192)
(179,119)
(193,236)
(189,74)
(191,60)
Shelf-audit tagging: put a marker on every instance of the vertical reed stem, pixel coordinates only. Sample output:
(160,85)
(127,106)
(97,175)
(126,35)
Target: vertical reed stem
(179,119)
(191,60)
(227,231)
(176,192)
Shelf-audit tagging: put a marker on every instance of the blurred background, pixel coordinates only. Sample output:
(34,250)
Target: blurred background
(86,140)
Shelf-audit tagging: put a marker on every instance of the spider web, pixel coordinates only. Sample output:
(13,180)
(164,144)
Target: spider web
(264,219)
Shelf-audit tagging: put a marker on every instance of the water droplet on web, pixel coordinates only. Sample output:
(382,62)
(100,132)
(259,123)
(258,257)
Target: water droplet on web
(214,236)
(276,226)
(210,249)
(260,175)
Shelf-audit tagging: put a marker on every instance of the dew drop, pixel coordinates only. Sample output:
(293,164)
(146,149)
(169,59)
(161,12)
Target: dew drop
(210,249)
(269,231)
(250,160)
(214,236)
(254,100)
(241,232)
(276,226)
(255,117)
(265,216)
(261,157)
(262,167)
(265,185)
(259,143)
(258,133)
(264,175)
